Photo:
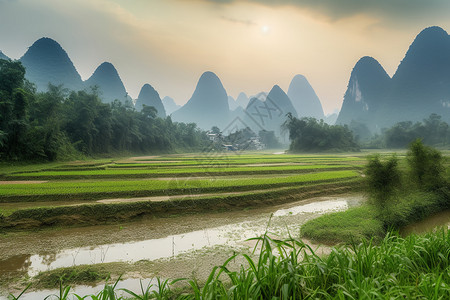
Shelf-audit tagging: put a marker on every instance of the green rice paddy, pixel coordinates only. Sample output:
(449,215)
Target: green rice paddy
(215,176)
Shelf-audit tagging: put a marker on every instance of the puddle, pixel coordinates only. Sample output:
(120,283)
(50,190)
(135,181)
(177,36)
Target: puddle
(166,247)
(438,220)
(316,207)
(131,252)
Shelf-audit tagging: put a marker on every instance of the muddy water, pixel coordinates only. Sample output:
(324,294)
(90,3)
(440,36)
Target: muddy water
(83,290)
(438,220)
(153,239)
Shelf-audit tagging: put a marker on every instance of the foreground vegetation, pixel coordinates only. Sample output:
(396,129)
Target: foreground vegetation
(415,267)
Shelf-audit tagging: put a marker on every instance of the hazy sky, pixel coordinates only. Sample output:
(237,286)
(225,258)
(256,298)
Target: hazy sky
(250,44)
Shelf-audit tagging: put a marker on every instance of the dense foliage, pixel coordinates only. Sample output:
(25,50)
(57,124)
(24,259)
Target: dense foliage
(310,135)
(59,124)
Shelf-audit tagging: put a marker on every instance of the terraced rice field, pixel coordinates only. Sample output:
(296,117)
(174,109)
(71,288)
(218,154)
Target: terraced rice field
(148,185)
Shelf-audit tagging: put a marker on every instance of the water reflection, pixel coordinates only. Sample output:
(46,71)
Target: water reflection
(441,219)
(129,252)
(316,207)
(18,263)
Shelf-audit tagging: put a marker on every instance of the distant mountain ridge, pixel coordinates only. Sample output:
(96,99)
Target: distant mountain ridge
(149,96)
(420,86)
(107,79)
(366,93)
(208,105)
(269,112)
(304,98)
(232,103)
(242,100)
(47,62)
(169,105)
(3,56)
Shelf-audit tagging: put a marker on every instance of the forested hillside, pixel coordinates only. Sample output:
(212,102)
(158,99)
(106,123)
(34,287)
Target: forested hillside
(61,124)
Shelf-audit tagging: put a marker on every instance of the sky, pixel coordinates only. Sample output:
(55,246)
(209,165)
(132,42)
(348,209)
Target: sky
(250,44)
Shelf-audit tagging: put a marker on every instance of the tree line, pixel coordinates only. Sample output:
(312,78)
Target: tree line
(62,124)
(433,131)
(311,135)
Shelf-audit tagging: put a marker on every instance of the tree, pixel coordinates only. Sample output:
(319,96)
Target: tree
(383,181)
(269,139)
(426,166)
(309,135)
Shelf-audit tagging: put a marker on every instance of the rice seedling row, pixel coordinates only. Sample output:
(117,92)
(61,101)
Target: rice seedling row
(96,189)
(172,171)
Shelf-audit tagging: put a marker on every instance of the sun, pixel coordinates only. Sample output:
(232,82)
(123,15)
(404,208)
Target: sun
(265,29)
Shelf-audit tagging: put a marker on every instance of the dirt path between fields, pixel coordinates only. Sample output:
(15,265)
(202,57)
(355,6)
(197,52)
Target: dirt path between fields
(22,182)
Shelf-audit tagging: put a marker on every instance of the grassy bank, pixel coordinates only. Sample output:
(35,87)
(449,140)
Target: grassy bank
(363,222)
(397,198)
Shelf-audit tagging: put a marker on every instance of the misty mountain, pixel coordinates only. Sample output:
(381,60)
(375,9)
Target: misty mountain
(169,105)
(232,103)
(366,94)
(110,86)
(304,98)
(208,105)
(269,112)
(237,117)
(242,100)
(47,62)
(422,80)
(282,100)
(149,96)
(3,56)
(420,86)
(331,118)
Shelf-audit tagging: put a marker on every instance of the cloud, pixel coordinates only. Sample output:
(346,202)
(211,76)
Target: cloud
(239,21)
(390,10)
